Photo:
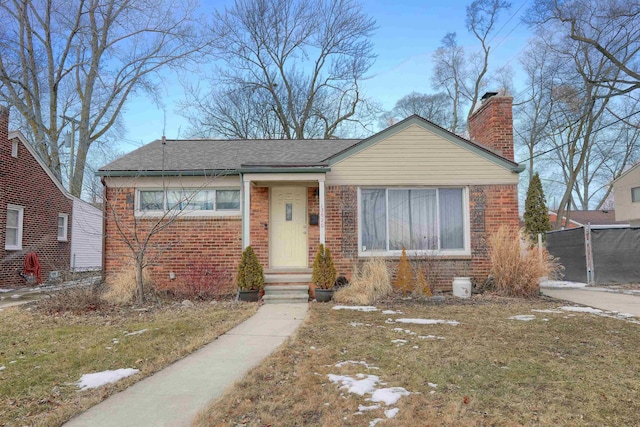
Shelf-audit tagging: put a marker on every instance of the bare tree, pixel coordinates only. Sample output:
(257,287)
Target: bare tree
(433,107)
(463,74)
(450,74)
(612,28)
(298,63)
(74,64)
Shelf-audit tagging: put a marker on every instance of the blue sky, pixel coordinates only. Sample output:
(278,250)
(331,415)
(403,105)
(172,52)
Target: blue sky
(408,34)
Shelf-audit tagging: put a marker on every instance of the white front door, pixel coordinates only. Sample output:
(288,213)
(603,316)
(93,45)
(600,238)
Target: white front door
(288,227)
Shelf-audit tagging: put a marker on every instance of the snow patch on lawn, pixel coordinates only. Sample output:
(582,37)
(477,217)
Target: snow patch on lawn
(2,368)
(392,312)
(430,337)
(399,342)
(547,311)
(523,317)
(428,321)
(388,396)
(363,408)
(364,308)
(406,331)
(98,379)
(374,422)
(390,413)
(581,309)
(361,385)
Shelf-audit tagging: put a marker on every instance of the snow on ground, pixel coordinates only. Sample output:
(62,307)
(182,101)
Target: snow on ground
(547,311)
(561,284)
(2,291)
(2,368)
(432,385)
(374,422)
(98,379)
(523,317)
(399,342)
(363,408)
(355,307)
(392,312)
(355,362)
(361,385)
(430,337)
(141,331)
(390,413)
(428,321)
(388,396)
(581,309)
(406,331)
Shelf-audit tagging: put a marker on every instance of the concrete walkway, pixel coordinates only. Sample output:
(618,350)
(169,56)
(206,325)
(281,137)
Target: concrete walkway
(599,298)
(173,396)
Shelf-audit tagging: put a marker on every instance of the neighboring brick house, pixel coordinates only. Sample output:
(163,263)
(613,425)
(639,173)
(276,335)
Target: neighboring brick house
(36,212)
(412,185)
(577,219)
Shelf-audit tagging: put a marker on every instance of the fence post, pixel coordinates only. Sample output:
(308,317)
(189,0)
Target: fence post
(588,254)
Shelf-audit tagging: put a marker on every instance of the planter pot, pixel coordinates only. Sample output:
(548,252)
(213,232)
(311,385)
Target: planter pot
(462,287)
(324,295)
(249,296)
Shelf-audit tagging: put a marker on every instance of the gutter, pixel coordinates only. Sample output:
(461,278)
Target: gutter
(215,172)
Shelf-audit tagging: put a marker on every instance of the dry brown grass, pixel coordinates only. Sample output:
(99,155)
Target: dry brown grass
(368,285)
(517,268)
(44,355)
(121,288)
(490,370)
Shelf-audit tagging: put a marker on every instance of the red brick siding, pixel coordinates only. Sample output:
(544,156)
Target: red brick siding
(23,182)
(188,242)
(313,208)
(259,228)
(492,125)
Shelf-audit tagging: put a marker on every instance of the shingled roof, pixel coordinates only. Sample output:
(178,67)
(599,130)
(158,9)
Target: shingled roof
(226,155)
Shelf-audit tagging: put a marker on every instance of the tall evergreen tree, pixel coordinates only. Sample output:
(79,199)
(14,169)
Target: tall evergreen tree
(536,215)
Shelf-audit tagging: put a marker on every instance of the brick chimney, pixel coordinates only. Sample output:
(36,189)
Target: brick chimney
(492,123)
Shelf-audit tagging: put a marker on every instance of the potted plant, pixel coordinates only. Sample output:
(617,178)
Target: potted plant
(250,276)
(324,274)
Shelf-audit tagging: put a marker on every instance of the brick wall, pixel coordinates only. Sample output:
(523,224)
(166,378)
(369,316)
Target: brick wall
(492,125)
(186,244)
(23,182)
(259,228)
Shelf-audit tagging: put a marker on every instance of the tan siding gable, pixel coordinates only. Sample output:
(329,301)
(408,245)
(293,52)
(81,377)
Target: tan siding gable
(416,156)
(626,210)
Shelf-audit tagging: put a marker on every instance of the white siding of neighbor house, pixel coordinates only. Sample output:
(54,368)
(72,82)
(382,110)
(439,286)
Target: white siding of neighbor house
(626,210)
(86,237)
(417,156)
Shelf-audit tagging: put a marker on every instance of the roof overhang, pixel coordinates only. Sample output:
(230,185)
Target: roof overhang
(218,172)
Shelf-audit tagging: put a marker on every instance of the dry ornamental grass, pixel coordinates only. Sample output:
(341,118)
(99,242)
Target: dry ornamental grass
(368,285)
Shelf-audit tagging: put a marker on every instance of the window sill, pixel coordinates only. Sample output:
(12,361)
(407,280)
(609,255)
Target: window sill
(13,248)
(465,255)
(60,239)
(192,214)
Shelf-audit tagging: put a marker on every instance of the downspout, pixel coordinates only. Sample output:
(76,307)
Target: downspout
(104,228)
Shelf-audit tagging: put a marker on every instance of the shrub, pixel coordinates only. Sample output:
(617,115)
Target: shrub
(404,280)
(77,300)
(422,286)
(201,282)
(122,287)
(250,273)
(517,268)
(324,272)
(367,286)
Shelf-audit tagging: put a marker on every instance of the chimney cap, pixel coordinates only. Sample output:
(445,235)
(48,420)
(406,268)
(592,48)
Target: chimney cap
(488,95)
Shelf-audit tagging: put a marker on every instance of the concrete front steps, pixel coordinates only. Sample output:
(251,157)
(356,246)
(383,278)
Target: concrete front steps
(286,286)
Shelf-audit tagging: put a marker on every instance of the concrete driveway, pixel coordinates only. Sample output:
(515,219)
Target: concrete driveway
(601,298)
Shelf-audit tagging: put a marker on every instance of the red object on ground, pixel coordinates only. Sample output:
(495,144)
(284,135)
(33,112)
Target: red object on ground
(32,266)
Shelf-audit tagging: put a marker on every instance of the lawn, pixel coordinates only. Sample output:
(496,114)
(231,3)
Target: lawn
(560,368)
(45,355)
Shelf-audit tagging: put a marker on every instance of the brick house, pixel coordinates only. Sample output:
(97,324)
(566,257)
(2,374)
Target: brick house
(412,185)
(37,214)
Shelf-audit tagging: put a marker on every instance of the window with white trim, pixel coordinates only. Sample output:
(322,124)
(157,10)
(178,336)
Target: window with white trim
(13,235)
(424,220)
(14,148)
(635,194)
(63,226)
(206,200)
